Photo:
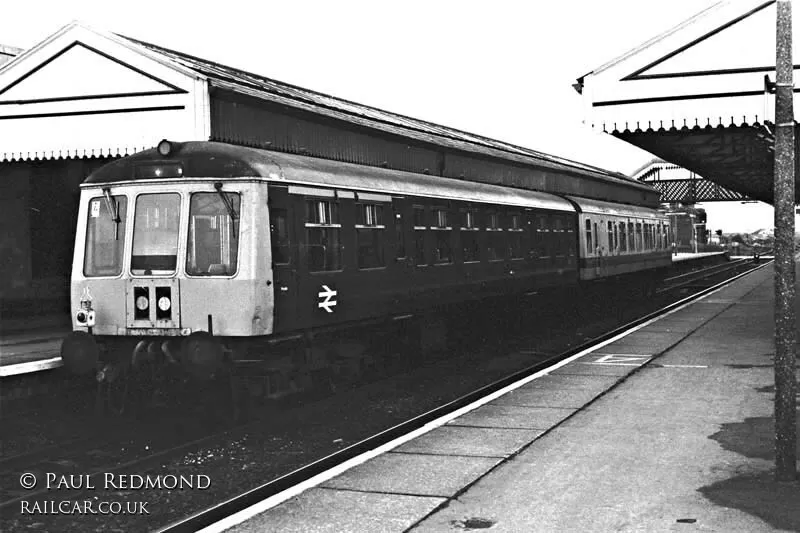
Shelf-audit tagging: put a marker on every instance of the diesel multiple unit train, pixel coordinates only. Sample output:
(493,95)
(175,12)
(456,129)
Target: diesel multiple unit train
(189,249)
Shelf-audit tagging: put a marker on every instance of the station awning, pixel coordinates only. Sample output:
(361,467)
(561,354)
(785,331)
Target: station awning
(698,95)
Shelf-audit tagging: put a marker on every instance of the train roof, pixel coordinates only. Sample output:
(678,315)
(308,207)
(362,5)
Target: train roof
(200,159)
(599,207)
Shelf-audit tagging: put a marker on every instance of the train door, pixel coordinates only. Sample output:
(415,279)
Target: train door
(284,257)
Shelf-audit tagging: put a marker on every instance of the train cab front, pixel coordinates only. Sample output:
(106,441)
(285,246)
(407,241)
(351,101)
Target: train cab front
(157,275)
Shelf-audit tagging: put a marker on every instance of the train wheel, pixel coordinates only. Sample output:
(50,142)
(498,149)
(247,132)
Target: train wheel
(112,390)
(80,353)
(117,395)
(202,355)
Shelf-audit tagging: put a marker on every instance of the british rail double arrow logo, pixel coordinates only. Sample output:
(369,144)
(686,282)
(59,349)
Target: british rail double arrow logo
(328,302)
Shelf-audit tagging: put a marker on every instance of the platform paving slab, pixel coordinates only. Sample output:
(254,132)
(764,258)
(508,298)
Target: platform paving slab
(684,322)
(513,416)
(470,441)
(656,339)
(415,474)
(596,384)
(322,510)
(536,397)
(642,342)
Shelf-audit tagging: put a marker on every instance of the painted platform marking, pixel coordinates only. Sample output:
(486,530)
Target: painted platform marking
(619,359)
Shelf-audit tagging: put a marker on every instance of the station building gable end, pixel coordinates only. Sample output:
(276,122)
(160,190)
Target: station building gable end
(84,93)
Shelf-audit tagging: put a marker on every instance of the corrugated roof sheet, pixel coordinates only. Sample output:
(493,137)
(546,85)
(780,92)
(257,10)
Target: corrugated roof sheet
(254,85)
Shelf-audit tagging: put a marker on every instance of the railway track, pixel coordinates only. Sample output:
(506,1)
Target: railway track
(290,469)
(689,279)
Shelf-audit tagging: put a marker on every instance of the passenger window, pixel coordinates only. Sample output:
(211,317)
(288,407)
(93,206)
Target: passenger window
(419,236)
(323,236)
(631,239)
(369,235)
(515,233)
(494,234)
(543,232)
(469,236)
(556,242)
(638,236)
(442,253)
(279,233)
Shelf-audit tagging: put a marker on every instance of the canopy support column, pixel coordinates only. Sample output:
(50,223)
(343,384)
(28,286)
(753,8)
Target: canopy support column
(785,325)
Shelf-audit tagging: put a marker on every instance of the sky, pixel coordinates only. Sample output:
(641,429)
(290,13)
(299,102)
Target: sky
(502,69)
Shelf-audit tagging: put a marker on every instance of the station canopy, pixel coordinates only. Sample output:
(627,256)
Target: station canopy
(700,95)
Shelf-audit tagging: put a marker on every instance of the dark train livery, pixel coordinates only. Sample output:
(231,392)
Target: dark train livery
(197,237)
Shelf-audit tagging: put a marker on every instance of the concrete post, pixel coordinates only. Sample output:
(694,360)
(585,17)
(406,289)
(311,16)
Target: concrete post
(785,326)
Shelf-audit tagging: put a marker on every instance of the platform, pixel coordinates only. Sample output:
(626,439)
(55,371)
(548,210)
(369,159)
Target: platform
(684,256)
(667,428)
(32,344)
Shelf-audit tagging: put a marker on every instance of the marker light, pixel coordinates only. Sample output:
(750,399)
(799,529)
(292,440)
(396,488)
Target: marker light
(142,303)
(164,304)
(164,148)
(85,318)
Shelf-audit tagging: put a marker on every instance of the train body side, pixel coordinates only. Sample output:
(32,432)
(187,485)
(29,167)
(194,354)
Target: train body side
(431,252)
(616,240)
(299,243)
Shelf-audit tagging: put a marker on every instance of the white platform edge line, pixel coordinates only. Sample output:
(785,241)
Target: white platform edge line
(272,501)
(30,367)
(631,355)
(615,364)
